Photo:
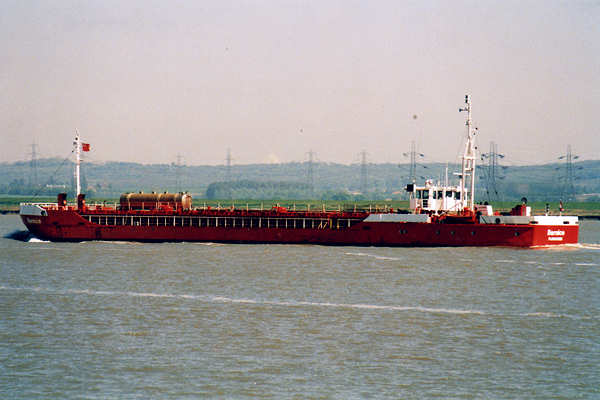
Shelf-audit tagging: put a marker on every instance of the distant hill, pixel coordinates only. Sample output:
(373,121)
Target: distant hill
(287,180)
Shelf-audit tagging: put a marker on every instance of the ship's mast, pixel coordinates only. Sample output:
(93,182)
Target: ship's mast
(77,144)
(468,161)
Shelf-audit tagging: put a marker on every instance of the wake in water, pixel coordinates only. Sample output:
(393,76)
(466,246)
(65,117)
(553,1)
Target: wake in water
(291,303)
(373,256)
(588,246)
(570,246)
(33,239)
(110,242)
(24,236)
(544,263)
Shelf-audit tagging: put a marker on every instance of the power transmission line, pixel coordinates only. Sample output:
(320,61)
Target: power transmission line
(492,172)
(228,176)
(228,163)
(568,188)
(178,173)
(310,173)
(34,165)
(363,172)
(414,156)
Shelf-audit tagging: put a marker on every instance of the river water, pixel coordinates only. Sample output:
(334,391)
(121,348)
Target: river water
(188,320)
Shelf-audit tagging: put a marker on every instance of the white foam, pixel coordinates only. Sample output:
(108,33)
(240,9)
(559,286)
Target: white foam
(589,246)
(33,239)
(373,256)
(557,247)
(112,242)
(160,295)
(347,305)
(289,303)
(541,314)
(223,299)
(569,246)
(553,315)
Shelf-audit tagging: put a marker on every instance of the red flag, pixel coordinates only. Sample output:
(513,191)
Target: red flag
(85,146)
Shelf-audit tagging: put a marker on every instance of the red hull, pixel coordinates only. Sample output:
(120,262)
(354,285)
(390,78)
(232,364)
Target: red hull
(69,225)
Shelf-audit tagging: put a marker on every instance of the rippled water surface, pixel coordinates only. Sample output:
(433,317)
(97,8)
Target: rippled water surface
(189,320)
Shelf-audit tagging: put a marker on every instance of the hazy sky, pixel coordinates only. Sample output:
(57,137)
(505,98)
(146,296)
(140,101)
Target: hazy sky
(144,81)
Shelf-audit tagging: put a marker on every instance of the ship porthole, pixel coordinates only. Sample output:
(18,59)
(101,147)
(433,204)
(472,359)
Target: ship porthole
(497,220)
(516,233)
(43,213)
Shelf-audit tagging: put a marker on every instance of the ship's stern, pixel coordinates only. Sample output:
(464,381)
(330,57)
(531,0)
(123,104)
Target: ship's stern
(35,218)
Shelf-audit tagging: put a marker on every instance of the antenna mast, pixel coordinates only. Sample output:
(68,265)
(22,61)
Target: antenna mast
(77,144)
(468,161)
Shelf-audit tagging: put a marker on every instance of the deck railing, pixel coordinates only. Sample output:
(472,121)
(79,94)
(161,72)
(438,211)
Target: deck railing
(169,206)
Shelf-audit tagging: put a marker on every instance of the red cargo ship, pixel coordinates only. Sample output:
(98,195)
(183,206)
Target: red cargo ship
(440,215)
